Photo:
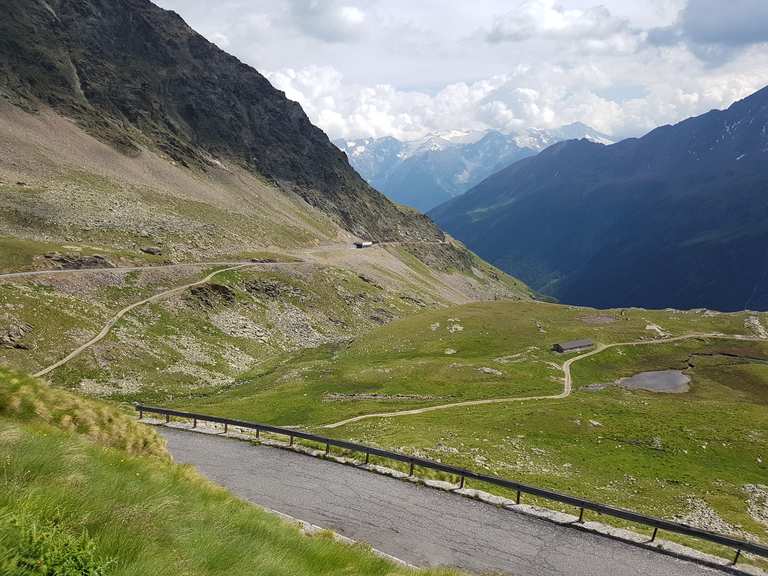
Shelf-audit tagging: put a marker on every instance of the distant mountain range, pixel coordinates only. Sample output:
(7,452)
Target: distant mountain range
(426,172)
(677,218)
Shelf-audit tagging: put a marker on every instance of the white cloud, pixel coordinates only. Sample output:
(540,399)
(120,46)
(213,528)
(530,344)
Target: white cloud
(404,68)
(545,96)
(535,18)
(714,32)
(328,20)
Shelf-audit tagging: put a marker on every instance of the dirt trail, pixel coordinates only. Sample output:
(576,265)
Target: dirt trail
(61,271)
(567,380)
(110,324)
(323,254)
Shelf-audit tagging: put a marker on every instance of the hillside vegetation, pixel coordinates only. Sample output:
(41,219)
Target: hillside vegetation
(203,337)
(477,351)
(697,456)
(220,222)
(86,491)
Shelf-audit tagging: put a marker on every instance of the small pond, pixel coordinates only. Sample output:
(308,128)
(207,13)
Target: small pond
(667,381)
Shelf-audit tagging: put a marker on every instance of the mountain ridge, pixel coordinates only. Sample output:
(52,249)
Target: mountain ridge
(137,76)
(684,204)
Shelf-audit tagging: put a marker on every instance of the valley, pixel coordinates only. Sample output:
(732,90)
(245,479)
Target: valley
(674,218)
(694,456)
(473,384)
(573,314)
(429,171)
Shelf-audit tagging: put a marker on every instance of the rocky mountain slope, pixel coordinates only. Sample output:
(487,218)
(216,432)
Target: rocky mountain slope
(131,145)
(676,218)
(138,77)
(431,170)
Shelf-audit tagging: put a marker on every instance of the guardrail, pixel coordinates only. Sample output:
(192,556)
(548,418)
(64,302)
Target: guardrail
(656,523)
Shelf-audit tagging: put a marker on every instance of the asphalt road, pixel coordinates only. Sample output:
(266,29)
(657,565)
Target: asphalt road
(421,525)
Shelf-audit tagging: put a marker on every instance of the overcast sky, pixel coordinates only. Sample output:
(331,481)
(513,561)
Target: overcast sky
(407,67)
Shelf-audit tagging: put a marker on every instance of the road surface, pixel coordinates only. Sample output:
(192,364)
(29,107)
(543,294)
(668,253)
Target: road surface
(420,525)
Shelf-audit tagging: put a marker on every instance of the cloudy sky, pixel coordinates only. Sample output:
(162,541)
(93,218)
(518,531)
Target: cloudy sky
(408,67)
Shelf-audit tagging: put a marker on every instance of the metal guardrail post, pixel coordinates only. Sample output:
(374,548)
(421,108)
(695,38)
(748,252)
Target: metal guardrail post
(327,448)
(517,498)
(461,484)
(581,516)
(225,427)
(738,554)
(194,422)
(367,457)
(655,531)
(410,472)
(291,437)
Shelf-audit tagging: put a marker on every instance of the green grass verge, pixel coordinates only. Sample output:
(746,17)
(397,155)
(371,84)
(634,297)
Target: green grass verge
(73,501)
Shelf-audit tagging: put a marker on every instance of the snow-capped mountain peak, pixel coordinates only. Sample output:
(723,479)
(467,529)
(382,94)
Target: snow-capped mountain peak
(427,171)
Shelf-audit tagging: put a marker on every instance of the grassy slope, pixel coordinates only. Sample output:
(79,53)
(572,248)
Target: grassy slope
(141,513)
(192,343)
(60,187)
(646,451)
(409,358)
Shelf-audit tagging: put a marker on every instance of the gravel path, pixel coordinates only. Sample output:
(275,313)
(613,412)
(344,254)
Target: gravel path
(116,318)
(69,271)
(420,525)
(567,380)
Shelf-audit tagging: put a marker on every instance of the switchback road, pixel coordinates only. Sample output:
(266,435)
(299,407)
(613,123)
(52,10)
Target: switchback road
(418,524)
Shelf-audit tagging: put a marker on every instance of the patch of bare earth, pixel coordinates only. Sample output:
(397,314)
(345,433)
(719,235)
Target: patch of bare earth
(338,397)
(234,324)
(753,324)
(757,502)
(13,332)
(701,515)
(112,387)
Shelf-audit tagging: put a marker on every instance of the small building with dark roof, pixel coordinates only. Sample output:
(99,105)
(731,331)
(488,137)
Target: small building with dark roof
(573,345)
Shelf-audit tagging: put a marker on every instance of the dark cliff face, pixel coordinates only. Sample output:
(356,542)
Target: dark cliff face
(676,218)
(136,75)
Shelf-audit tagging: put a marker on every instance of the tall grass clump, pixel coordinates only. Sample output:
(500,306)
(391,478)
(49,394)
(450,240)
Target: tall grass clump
(29,547)
(29,399)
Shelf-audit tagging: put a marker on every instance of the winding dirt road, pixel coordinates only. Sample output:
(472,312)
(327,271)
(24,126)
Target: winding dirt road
(116,318)
(62,271)
(567,380)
